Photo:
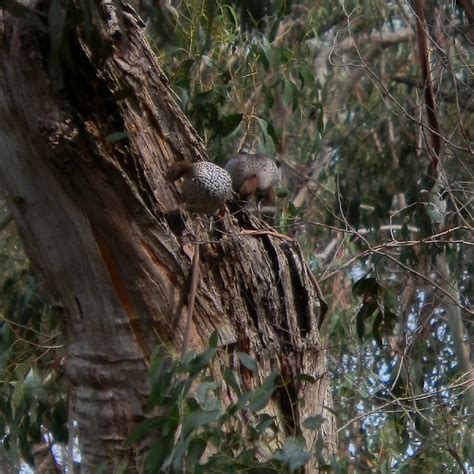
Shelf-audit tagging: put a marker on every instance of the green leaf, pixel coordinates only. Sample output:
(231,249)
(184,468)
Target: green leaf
(266,421)
(287,93)
(365,286)
(292,210)
(230,379)
(260,398)
(178,455)
(17,396)
(176,391)
(26,448)
(316,111)
(161,377)
(206,397)
(313,423)
(196,449)
(390,299)
(376,329)
(229,123)
(199,418)
(273,134)
(295,95)
(201,361)
(158,453)
(22,369)
(269,382)
(270,143)
(6,335)
(59,419)
(389,320)
(266,49)
(33,407)
(307,77)
(188,357)
(242,401)
(34,387)
(365,311)
(232,13)
(248,362)
(213,340)
(57,22)
(294,454)
(144,428)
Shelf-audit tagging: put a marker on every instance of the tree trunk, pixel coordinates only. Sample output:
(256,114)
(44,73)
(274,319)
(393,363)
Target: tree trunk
(94,215)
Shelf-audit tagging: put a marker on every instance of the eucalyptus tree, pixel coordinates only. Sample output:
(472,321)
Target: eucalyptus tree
(89,127)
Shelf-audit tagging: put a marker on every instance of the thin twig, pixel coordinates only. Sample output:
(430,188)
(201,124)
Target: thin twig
(192,297)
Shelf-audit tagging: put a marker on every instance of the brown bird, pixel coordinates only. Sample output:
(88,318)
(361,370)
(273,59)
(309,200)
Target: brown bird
(205,186)
(254,175)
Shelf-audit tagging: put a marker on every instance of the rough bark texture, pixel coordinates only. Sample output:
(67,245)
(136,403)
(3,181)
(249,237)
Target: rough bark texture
(95,218)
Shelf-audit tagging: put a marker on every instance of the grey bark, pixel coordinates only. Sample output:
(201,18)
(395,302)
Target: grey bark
(95,218)
(461,342)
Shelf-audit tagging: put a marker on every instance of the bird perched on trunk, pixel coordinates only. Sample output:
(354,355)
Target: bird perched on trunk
(205,186)
(254,176)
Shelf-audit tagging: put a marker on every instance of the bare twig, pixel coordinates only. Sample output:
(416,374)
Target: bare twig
(192,297)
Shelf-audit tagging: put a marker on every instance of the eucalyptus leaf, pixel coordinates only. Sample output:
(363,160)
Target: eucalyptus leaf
(365,311)
(313,423)
(248,362)
(294,454)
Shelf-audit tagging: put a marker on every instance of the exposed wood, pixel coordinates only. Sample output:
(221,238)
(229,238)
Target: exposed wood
(191,299)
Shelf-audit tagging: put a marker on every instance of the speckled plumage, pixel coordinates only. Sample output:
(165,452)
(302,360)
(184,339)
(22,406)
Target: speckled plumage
(205,187)
(252,174)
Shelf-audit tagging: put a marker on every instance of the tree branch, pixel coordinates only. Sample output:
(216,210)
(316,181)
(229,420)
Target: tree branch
(428,87)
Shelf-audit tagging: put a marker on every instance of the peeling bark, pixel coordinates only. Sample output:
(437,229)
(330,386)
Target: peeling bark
(97,221)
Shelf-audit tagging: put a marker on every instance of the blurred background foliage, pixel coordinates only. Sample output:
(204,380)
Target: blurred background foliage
(334,92)
(33,396)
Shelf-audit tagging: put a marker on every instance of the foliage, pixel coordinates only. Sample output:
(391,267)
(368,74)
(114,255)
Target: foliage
(195,429)
(344,115)
(216,66)
(33,400)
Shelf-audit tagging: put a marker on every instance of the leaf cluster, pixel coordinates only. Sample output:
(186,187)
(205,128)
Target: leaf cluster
(33,400)
(190,425)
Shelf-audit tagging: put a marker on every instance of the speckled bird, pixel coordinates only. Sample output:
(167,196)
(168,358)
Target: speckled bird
(205,187)
(254,175)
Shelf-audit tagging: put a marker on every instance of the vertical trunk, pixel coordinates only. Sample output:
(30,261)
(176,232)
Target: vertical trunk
(461,342)
(94,215)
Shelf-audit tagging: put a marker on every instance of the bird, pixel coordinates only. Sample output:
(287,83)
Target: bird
(205,186)
(253,175)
